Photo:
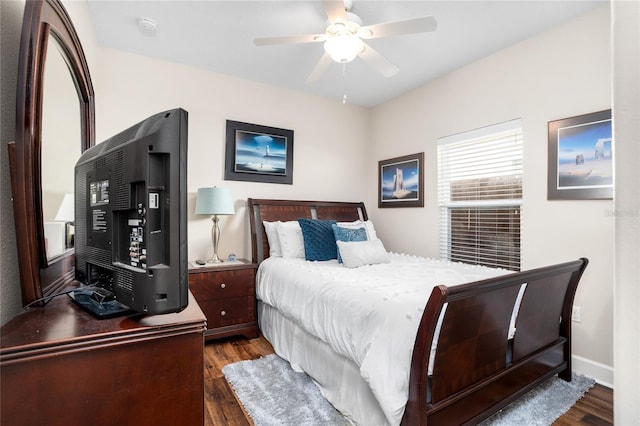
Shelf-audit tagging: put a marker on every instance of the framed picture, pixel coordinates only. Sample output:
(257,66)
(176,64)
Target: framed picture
(400,181)
(258,153)
(581,158)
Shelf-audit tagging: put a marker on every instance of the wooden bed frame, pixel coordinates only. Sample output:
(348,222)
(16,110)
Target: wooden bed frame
(477,370)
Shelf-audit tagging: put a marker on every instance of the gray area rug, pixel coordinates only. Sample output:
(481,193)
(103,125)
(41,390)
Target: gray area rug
(274,394)
(544,404)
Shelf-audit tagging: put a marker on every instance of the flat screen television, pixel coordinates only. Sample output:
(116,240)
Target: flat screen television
(131,220)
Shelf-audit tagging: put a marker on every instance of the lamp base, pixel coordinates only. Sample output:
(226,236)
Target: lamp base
(215,238)
(215,259)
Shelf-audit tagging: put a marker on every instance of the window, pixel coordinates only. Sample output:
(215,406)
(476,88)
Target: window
(480,195)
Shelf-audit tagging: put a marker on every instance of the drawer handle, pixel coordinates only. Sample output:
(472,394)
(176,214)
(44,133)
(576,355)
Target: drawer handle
(223,285)
(223,313)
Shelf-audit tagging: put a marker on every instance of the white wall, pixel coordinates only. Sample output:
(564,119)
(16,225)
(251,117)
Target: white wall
(329,138)
(626,101)
(561,73)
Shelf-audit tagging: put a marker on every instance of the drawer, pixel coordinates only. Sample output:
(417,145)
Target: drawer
(223,284)
(235,310)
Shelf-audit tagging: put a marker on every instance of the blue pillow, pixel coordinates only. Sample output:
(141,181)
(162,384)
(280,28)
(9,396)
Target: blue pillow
(348,234)
(319,241)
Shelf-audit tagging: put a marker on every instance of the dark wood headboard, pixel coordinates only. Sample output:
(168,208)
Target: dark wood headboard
(285,210)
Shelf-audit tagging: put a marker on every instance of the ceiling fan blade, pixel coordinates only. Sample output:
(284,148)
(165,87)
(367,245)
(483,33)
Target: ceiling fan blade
(409,26)
(308,38)
(377,61)
(335,11)
(320,68)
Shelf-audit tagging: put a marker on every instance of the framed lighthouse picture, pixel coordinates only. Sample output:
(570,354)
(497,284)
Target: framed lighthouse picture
(258,153)
(401,181)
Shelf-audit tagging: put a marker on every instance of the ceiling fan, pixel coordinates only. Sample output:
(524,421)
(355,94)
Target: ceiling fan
(344,38)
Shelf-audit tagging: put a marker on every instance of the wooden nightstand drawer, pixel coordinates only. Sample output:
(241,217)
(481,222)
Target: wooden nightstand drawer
(235,310)
(216,285)
(226,295)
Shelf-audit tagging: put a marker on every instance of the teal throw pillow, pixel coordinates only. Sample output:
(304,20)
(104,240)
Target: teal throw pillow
(348,234)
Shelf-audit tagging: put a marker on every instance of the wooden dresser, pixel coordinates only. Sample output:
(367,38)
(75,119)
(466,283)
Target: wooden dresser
(61,366)
(227,295)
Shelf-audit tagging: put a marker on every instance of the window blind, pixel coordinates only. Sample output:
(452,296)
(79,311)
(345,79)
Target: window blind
(480,195)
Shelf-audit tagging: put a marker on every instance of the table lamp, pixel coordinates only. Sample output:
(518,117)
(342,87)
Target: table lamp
(216,202)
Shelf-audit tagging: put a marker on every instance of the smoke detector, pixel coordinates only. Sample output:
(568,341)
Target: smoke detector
(148,26)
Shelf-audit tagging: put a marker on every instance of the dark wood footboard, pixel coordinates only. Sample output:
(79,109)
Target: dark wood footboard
(477,369)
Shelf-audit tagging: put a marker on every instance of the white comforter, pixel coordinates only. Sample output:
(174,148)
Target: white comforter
(369,314)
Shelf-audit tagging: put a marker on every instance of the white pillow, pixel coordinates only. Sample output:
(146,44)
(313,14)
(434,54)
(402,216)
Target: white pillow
(291,240)
(367,224)
(272,237)
(359,253)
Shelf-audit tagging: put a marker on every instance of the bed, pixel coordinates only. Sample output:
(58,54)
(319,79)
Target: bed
(456,354)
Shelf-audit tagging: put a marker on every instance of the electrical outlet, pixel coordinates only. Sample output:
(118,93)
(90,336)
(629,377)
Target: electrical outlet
(576,314)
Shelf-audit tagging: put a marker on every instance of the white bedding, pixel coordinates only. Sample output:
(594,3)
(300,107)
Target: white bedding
(369,315)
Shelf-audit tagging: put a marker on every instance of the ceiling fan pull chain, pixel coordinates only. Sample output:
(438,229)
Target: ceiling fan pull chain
(344,82)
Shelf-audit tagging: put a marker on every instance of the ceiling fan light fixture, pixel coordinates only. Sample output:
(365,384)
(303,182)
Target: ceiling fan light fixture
(344,48)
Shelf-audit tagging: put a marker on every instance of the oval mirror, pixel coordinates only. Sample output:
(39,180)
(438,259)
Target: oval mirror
(46,27)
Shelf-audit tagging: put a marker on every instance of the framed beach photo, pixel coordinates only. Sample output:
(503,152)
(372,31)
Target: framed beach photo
(401,182)
(258,153)
(580,155)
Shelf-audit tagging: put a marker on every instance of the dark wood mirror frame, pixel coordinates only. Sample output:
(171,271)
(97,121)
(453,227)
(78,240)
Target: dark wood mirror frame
(42,19)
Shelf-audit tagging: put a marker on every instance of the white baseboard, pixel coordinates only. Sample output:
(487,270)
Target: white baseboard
(602,374)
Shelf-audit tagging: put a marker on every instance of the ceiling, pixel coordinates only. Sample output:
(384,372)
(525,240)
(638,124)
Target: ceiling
(218,36)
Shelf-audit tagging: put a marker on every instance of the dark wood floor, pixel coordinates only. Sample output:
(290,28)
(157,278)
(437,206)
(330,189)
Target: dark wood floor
(222,408)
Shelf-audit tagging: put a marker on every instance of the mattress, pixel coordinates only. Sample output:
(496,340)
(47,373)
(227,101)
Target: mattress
(368,315)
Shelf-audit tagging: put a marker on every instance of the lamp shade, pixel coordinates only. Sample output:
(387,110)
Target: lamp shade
(344,48)
(66,211)
(214,201)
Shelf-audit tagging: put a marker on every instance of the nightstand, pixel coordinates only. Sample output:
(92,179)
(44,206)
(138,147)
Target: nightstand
(226,294)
